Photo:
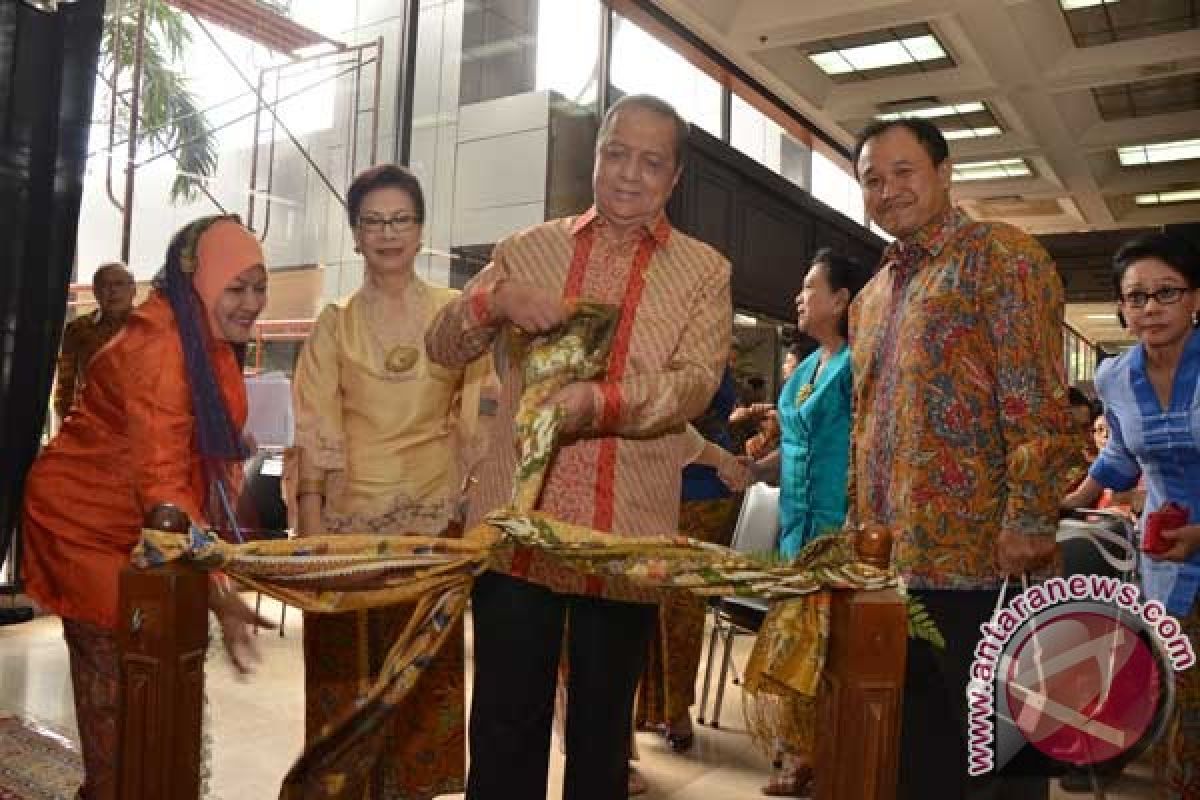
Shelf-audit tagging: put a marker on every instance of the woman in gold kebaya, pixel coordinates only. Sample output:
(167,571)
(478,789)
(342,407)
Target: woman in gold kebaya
(377,449)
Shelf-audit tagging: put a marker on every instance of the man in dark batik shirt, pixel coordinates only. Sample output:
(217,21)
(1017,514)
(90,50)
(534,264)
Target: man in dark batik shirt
(114,288)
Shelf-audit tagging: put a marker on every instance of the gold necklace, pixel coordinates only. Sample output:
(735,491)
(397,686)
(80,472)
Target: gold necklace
(805,391)
(399,358)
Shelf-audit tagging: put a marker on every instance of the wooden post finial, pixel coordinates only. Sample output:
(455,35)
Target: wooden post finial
(873,545)
(167,517)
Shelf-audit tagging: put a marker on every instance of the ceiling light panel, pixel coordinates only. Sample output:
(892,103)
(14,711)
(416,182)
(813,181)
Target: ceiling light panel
(992,170)
(972,120)
(936,111)
(1166,198)
(879,55)
(832,63)
(882,53)
(1160,153)
(972,133)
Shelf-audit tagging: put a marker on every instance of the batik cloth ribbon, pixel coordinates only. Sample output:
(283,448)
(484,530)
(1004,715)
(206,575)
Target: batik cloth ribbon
(352,572)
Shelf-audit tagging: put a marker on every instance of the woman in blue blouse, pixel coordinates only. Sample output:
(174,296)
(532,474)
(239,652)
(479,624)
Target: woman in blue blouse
(1151,398)
(812,462)
(814,408)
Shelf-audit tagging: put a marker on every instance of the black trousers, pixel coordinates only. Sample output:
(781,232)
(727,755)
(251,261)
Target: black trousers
(933,734)
(518,638)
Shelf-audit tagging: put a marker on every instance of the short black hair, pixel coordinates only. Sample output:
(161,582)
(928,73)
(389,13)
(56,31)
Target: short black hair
(1173,250)
(842,272)
(928,134)
(1077,398)
(650,102)
(384,176)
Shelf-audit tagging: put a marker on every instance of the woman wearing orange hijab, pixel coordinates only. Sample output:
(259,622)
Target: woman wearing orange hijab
(158,422)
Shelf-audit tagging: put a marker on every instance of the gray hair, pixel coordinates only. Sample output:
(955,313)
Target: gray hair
(657,105)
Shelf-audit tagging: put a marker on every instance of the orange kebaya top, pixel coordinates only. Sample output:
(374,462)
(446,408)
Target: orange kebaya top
(128,446)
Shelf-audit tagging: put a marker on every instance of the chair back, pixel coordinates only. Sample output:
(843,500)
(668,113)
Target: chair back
(260,506)
(757,529)
(1097,542)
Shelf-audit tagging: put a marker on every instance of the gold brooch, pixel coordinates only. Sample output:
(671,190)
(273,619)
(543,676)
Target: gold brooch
(804,393)
(402,358)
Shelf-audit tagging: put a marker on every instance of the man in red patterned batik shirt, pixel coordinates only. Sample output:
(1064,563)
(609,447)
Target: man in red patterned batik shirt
(620,469)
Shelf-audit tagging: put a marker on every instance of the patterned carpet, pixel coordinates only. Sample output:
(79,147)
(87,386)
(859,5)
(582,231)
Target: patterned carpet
(36,764)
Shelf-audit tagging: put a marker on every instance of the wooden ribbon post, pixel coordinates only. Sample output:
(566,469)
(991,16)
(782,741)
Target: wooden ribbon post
(162,636)
(862,687)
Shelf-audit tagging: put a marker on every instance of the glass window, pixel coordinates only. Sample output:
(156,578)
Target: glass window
(504,115)
(510,47)
(499,49)
(755,134)
(795,161)
(758,136)
(199,152)
(834,187)
(568,54)
(643,65)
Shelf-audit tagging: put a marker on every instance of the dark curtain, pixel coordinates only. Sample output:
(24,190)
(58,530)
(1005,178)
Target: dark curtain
(47,76)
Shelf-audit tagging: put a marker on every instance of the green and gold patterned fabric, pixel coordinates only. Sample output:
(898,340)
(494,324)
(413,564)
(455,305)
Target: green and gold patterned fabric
(349,572)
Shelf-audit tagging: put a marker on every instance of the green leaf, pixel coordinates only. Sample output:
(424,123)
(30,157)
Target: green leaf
(170,117)
(921,625)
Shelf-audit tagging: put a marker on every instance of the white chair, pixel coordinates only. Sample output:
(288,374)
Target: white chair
(757,531)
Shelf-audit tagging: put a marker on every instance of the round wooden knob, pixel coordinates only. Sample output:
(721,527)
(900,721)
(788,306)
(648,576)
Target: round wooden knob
(167,517)
(873,546)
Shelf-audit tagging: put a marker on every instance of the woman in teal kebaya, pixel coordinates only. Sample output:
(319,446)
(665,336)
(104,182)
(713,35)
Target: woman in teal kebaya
(813,456)
(814,408)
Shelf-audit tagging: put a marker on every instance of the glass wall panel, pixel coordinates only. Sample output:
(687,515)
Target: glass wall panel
(758,136)
(755,134)
(568,55)
(642,64)
(231,123)
(836,188)
(494,78)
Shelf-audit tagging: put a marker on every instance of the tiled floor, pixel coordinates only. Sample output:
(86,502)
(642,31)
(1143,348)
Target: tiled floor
(259,723)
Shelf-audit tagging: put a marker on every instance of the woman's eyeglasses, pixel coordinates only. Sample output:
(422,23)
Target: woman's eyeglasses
(400,223)
(1167,295)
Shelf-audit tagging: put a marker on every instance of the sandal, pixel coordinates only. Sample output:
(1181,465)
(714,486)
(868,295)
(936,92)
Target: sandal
(637,784)
(794,781)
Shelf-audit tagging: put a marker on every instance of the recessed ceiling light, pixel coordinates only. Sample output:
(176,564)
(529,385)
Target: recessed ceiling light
(934,112)
(1163,198)
(991,170)
(1101,316)
(879,55)
(973,133)
(1071,5)
(1140,154)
